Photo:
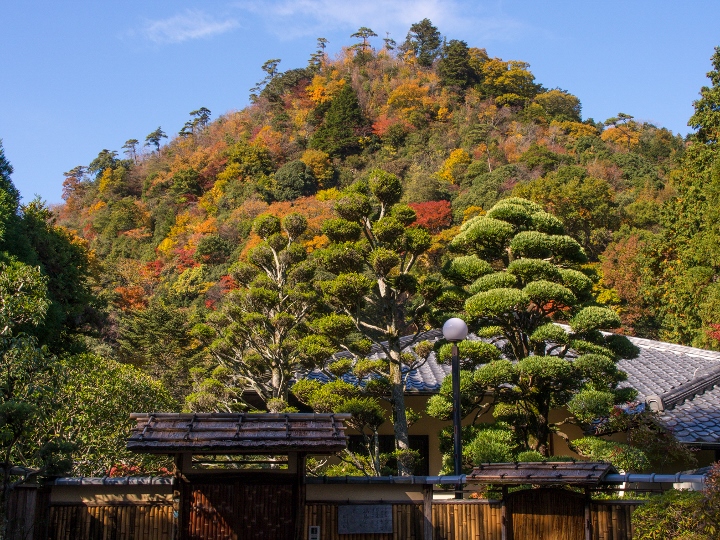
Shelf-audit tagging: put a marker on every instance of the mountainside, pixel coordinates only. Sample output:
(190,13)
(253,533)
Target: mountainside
(460,128)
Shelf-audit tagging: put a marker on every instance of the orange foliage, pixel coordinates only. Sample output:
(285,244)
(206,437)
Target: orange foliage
(317,242)
(268,138)
(321,90)
(130,298)
(624,135)
(382,124)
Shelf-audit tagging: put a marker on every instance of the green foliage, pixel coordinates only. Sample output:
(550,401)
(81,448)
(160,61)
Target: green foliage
(467,269)
(260,328)
(380,295)
(594,318)
(670,515)
(343,125)
(496,280)
(622,456)
(491,445)
(95,402)
(424,41)
(681,514)
(454,65)
(292,180)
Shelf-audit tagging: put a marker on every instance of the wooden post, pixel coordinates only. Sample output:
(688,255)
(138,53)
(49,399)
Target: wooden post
(300,495)
(588,516)
(427,512)
(504,516)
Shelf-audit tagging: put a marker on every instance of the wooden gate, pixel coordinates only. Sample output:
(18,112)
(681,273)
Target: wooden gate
(546,514)
(234,509)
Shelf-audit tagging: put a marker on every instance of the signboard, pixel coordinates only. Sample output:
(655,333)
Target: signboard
(365,518)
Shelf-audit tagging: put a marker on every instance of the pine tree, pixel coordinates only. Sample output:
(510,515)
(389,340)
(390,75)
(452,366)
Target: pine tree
(343,126)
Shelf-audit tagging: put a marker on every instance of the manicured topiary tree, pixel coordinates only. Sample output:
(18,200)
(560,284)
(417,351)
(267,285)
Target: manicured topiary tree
(374,293)
(259,329)
(527,277)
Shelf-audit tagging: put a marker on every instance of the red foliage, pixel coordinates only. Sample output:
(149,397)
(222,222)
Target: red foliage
(433,215)
(227,283)
(715,332)
(185,259)
(154,268)
(382,124)
(123,469)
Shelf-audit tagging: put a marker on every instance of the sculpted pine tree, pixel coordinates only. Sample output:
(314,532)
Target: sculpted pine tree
(376,297)
(526,278)
(260,326)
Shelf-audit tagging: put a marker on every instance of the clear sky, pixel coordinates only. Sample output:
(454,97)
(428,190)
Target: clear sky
(79,76)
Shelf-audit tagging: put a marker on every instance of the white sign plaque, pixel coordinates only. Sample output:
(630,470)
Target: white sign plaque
(365,518)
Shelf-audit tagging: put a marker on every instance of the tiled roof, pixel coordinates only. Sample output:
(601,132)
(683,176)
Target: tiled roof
(425,379)
(237,433)
(678,381)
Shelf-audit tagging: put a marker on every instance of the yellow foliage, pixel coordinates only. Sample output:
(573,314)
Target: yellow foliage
(97,207)
(472,211)
(407,97)
(511,77)
(627,135)
(105,181)
(231,172)
(180,227)
(317,242)
(453,165)
(321,90)
(327,194)
(190,282)
(320,165)
(167,246)
(443,114)
(210,199)
(575,129)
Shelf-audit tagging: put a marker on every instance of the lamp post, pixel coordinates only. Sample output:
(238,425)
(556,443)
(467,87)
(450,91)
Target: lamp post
(455,330)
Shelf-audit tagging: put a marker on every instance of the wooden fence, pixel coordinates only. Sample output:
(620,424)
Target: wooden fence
(451,520)
(111,522)
(481,520)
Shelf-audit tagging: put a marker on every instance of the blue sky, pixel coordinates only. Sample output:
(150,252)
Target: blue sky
(80,76)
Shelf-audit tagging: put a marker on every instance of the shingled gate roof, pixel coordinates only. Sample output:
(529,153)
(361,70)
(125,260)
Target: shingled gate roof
(213,433)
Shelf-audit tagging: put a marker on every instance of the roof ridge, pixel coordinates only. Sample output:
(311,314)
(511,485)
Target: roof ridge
(699,384)
(674,347)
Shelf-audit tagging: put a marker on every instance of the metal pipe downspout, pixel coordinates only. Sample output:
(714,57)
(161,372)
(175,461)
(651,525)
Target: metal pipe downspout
(655,478)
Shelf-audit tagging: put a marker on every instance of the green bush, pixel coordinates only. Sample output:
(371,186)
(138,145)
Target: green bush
(670,515)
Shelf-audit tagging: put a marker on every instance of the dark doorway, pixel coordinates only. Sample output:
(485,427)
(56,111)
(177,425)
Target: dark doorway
(238,509)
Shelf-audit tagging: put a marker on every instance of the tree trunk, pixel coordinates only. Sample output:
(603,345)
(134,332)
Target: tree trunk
(402,439)
(543,433)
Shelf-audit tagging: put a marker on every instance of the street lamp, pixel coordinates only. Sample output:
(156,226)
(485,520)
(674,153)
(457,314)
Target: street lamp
(455,330)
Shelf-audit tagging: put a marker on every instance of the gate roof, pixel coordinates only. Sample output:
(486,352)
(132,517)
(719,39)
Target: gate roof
(238,433)
(582,473)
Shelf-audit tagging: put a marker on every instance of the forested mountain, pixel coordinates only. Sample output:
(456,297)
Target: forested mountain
(175,259)
(462,129)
